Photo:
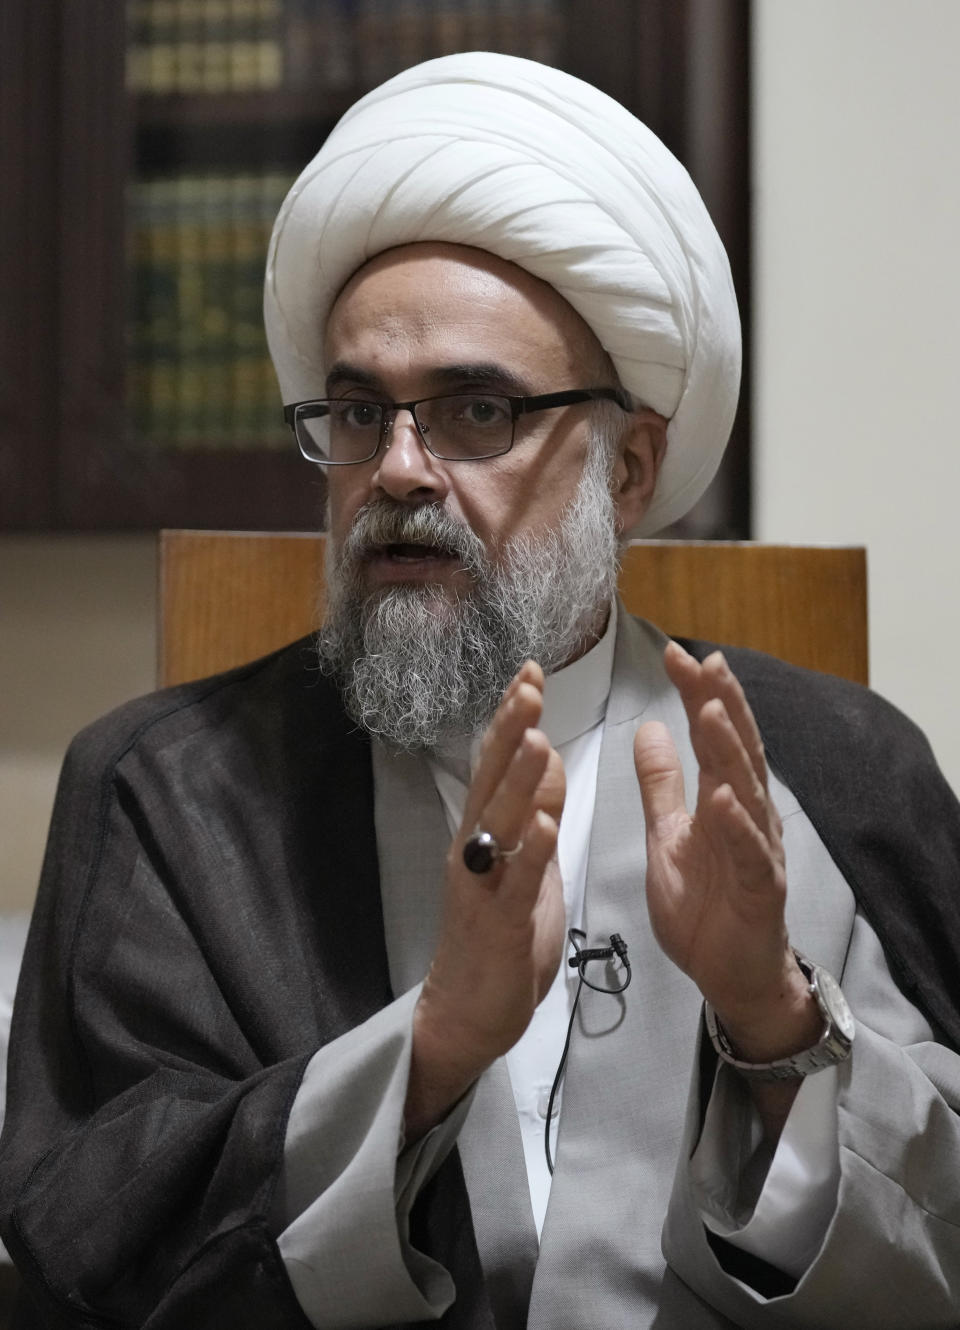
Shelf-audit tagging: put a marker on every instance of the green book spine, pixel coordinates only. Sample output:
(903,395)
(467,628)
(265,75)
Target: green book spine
(138,297)
(247,310)
(161,46)
(199,372)
(270,71)
(190,300)
(319,44)
(255,49)
(272,432)
(188,46)
(215,37)
(300,35)
(137,41)
(216,313)
(160,311)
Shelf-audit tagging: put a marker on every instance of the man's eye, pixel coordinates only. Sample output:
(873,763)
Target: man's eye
(484,411)
(356,415)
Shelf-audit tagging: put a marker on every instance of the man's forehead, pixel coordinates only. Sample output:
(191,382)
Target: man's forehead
(422,292)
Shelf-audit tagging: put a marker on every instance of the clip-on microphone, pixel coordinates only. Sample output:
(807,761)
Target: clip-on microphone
(578,961)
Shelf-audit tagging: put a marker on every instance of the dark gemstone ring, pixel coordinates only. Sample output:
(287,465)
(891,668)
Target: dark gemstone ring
(482,850)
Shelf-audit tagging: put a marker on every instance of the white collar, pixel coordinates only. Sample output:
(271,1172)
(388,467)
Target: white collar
(574,701)
(575,698)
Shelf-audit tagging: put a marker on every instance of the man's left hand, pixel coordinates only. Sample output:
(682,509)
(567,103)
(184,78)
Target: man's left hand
(716,881)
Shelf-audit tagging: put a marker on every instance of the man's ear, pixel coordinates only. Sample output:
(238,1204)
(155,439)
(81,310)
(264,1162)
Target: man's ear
(639,455)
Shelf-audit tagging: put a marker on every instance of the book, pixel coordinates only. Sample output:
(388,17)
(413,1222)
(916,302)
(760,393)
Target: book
(199,371)
(204,46)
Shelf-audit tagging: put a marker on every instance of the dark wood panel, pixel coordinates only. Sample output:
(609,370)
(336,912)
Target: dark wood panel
(117,487)
(28,268)
(717,154)
(683,67)
(219,145)
(94,163)
(276,106)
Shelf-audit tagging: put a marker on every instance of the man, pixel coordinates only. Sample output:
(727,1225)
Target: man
(294,1001)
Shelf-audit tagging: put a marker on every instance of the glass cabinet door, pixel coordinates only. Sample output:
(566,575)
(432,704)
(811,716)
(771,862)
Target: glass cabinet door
(229,99)
(224,101)
(166,135)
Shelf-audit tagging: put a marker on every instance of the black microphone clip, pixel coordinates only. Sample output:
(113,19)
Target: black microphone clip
(617,947)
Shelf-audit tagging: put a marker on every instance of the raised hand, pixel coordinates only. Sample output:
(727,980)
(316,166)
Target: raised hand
(501,938)
(716,880)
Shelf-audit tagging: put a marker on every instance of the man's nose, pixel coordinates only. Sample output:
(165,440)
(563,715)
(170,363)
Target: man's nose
(406,469)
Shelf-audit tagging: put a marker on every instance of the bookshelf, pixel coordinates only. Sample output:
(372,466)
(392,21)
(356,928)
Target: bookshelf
(149,144)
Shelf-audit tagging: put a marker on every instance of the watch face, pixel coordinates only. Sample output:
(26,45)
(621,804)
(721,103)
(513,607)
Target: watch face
(835,1003)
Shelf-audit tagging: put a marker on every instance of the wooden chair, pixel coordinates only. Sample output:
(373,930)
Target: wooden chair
(230,596)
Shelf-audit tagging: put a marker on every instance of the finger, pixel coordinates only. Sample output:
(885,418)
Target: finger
(524,875)
(519,710)
(524,878)
(725,761)
(757,867)
(696,689)
(659,774)
(686,675)
(520,882)
(513,802)
(724,684)
(741,716)
(697,685)
(685,672)
(552,791)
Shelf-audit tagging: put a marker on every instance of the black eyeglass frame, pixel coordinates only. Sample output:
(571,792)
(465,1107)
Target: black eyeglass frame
(519,406)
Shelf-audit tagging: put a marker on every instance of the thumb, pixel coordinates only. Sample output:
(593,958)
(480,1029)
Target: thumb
(659,773)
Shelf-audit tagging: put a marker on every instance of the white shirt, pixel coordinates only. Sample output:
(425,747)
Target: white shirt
(574,705)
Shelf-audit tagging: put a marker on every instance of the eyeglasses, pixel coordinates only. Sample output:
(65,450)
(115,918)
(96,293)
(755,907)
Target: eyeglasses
(455,427)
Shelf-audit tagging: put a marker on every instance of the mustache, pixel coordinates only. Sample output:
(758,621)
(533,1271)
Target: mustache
(383,522)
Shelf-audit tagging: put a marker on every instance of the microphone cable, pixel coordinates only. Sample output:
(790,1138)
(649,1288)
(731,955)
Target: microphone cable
(579,961)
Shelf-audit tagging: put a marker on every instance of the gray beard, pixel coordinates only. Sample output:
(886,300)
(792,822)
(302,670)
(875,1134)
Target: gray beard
(419,668)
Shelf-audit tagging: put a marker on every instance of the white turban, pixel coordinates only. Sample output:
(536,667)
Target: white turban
(541,169)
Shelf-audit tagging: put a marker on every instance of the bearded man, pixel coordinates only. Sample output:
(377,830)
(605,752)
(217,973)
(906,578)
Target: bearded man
(295,1044)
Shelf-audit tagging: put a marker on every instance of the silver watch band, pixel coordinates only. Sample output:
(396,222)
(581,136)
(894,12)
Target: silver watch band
(832,1047)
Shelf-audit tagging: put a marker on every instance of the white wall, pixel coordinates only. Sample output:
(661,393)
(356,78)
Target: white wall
(77,637)
(857,329)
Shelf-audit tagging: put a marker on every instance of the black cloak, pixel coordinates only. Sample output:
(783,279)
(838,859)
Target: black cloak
(210,878)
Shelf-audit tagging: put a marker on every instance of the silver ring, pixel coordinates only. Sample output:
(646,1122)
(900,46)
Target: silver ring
(482,850)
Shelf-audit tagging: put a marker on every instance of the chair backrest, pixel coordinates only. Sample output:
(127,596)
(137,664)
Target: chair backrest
(228,597)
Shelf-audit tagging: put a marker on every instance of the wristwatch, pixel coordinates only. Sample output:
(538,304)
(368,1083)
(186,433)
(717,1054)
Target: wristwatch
(833,1046)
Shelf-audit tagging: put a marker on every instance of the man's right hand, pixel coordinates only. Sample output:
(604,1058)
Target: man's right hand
(501,939)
